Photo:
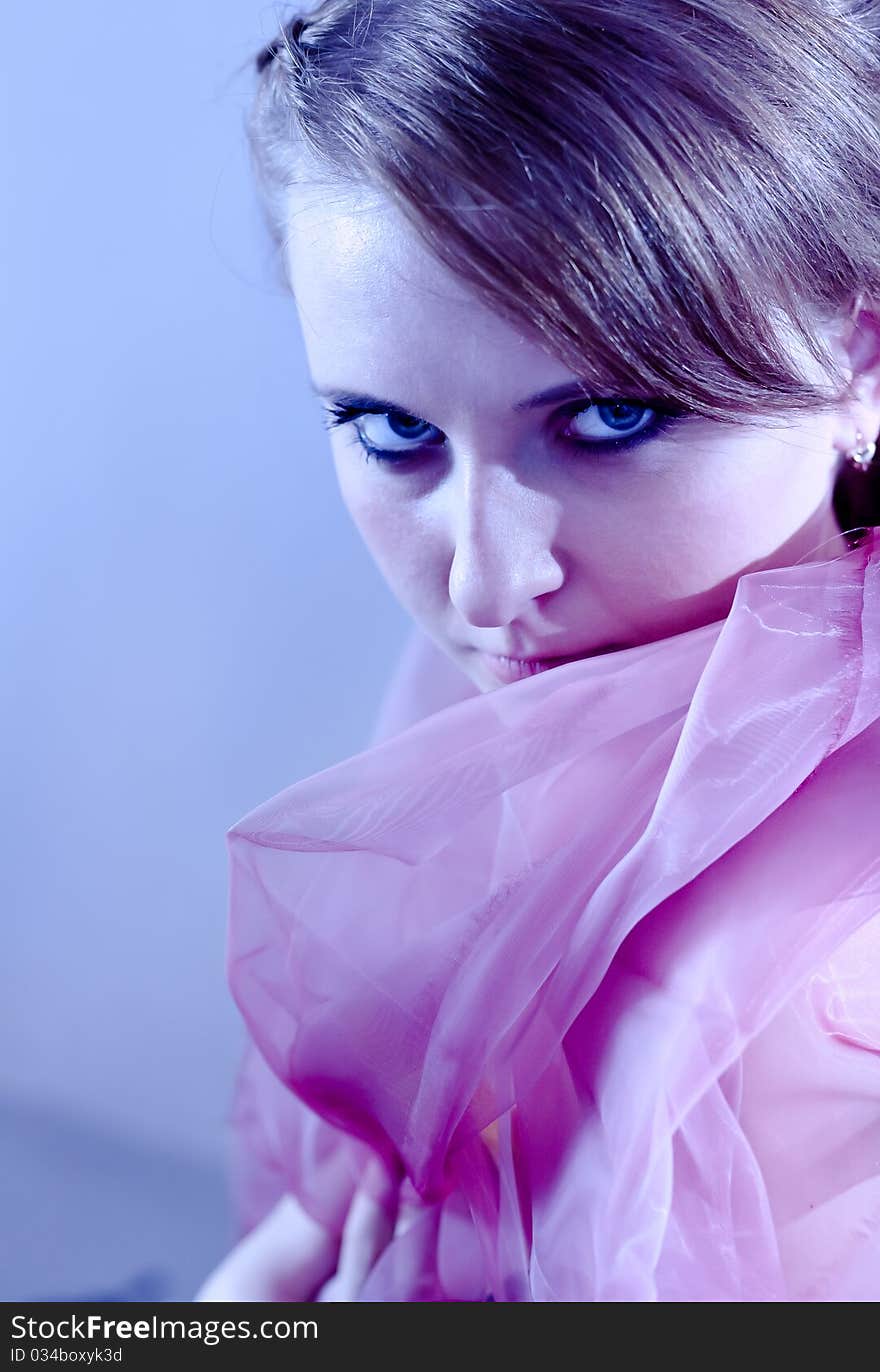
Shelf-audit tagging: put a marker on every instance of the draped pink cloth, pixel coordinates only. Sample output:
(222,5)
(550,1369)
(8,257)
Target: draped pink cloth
(628,910)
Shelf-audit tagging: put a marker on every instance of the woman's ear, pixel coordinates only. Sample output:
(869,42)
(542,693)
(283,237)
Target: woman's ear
(856,499)
(862,344)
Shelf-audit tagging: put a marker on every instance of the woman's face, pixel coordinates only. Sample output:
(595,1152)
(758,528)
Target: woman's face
(497,513)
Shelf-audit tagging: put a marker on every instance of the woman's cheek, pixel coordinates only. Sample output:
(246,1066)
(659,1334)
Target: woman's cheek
(402,543)
(362,494)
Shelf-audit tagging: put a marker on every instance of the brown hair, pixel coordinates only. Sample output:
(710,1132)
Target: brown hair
(651,186)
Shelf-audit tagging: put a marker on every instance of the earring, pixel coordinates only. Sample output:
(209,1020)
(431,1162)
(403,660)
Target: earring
(862,455)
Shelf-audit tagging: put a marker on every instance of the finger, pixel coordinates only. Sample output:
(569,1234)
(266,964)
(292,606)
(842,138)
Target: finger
(282,1258)
(413,1256)
(408,1211)
(368,1229)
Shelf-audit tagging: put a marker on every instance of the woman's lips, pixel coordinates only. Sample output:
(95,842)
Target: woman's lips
(506,669)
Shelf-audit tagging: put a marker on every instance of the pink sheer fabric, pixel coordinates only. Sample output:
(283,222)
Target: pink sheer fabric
(594,960)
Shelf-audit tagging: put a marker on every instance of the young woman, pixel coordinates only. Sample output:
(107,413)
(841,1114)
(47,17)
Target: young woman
(568,987)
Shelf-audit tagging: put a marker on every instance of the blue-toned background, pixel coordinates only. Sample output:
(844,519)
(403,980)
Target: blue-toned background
(189,623)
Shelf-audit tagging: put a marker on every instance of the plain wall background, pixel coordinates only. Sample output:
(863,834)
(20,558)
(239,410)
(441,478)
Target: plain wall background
(189,620)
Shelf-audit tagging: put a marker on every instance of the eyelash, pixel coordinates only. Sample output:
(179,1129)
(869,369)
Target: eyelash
(665,412)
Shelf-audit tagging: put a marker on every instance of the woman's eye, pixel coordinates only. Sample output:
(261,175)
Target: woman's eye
(395,433)
(602,425)
(609,420)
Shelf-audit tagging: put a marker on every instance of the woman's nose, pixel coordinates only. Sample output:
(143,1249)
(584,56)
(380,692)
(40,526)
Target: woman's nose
(503,557)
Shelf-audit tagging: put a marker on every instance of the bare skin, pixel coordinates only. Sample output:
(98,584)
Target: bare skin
(502,531)
(290,1257)
(499,528)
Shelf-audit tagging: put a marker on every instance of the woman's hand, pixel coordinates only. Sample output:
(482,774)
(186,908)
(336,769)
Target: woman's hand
(369,1228)
(284,1258)
(379,1215)
(290,1257)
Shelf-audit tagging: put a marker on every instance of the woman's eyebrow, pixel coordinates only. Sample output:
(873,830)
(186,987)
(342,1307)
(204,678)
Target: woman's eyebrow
(350,400)
(568,390)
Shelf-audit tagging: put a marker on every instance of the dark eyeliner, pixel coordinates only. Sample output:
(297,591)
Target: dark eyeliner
(337,414)
(665,416)
(666,413)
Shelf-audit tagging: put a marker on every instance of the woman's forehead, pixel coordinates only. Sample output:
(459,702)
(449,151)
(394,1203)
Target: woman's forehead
(378,310)
(381,313)
(356,242)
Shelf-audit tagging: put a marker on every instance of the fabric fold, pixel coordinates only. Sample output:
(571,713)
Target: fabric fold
(577,910)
